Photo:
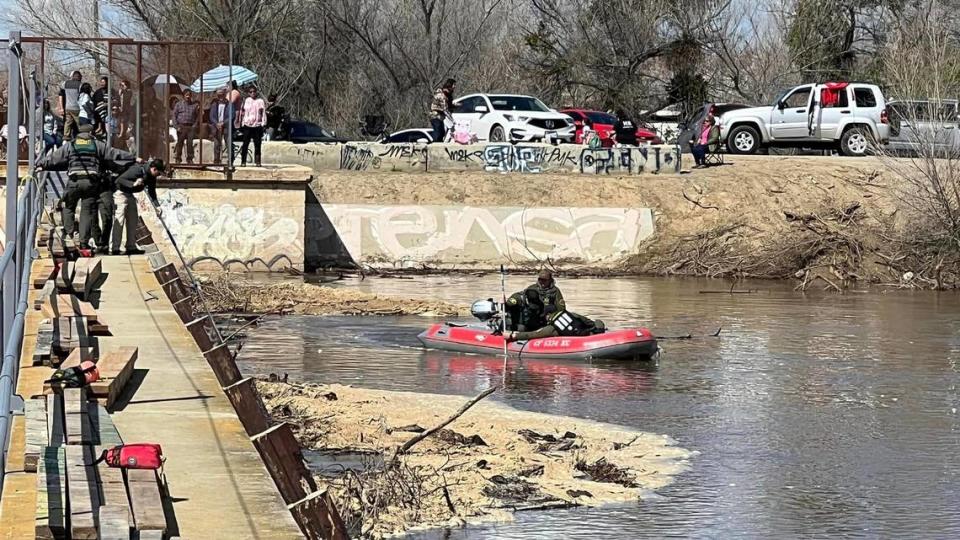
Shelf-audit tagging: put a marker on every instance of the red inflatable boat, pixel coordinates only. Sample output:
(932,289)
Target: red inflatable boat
(627,344)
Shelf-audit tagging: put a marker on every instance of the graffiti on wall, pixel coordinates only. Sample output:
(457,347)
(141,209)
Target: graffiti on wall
(519,158)
(392,235)
(230,236)
(362,157)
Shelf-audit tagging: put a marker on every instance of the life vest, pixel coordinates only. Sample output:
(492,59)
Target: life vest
(84,158)
(571,324)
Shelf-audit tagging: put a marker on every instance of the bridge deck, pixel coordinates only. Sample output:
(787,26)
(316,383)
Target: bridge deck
(217,482)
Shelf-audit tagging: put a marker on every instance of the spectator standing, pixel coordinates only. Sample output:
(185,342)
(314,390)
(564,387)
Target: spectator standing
(275,116)
(220,114)
(70,105)
(101,104)
(186,117)
(51,134)
(236,100)
(127,108)
(88,115)
(440,109)
(253,118)
(625,130)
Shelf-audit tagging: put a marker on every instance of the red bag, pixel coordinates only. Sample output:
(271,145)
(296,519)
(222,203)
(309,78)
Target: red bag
(133,456)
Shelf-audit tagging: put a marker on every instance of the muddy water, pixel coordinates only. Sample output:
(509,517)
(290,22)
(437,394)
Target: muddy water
(814,415)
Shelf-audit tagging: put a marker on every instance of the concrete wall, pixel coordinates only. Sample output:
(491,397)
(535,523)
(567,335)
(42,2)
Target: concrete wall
(493,157)
(250,229)
(477,237)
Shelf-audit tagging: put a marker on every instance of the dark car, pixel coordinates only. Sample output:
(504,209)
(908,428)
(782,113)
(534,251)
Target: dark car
(301,131)
(688,126)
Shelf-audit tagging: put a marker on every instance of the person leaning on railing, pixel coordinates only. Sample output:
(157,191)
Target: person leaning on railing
(134,180)
(85,159)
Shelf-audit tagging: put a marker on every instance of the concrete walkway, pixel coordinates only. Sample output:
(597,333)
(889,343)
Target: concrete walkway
(219,485)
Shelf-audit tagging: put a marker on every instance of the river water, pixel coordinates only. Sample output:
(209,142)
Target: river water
(813,415)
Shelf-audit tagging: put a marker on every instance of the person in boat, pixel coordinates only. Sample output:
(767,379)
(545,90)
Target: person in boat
(524,311)
(561,323)
(550,296)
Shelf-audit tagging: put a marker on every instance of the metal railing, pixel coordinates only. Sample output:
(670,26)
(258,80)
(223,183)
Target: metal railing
(23,206)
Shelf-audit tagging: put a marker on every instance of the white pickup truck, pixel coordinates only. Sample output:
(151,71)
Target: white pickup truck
(849,117)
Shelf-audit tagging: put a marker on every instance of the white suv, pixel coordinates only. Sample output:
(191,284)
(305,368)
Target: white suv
(510,118)
(850,117)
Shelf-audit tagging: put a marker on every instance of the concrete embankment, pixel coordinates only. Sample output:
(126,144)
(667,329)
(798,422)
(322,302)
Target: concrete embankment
(754,216)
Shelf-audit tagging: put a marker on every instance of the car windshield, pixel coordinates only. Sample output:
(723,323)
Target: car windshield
(601,118)
(518,103)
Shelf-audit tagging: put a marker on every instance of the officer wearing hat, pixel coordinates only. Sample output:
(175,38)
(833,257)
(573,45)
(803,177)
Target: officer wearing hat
(550,296)
(85,159)
(140,177)
(525,311)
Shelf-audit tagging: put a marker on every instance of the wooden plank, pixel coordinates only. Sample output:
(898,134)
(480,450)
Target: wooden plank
(49,289)
(51,494)
(203,330)
(114,523)
(116,368)
(184,309)
(82,493)
(104,430)
(113,487)
(76,420)
(35,413)
(151,535)
(70,333)
(157,260)
(56,432)
(67,305)
(145,500)
(281,454)
(86,274)
(243,395)
(223,365)
(43,351)
(64,278)
(318,517)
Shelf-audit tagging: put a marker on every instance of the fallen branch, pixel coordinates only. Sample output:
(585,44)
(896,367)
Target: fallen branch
(421,436)
(697,202)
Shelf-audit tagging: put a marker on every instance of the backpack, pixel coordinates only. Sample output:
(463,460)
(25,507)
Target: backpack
(76,376)
(133,456)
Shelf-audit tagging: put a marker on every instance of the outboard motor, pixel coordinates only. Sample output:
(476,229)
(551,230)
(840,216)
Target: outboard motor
(484,309)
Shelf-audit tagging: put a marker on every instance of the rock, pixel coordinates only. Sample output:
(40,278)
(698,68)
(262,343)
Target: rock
(482,464)
(411,428)
(577,493)
(329,396)
(569,435)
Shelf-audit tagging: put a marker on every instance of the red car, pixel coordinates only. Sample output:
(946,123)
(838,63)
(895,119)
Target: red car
(603,124)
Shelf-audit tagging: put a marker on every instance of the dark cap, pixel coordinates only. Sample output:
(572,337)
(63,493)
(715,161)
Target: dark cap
(545,274)
(86,128)
(158,164)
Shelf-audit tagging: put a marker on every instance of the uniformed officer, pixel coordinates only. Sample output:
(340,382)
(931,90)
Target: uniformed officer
(550,296)
(85,159)
(525,311)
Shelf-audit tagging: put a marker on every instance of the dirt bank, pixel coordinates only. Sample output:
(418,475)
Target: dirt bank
(819,220)
(483,466)
(230,293)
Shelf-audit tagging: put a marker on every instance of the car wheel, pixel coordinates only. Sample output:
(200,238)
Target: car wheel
(855,142)
(496,134)
(743,140)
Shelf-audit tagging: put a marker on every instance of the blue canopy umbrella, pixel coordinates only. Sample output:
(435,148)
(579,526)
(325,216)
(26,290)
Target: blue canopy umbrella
(221,75)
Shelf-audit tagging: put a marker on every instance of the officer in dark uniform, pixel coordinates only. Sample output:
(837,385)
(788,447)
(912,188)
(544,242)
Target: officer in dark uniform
(562,323)
(550,296)
(525,311)
(85,159)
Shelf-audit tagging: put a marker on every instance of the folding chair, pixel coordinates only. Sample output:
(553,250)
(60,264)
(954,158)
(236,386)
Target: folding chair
(714,156)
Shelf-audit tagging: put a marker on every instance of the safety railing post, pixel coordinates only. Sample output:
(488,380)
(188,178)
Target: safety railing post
(13,129)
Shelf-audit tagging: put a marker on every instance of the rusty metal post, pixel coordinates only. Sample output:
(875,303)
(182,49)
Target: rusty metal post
(13,179)
(110,92)
(168,114)
(233,114)
(139,128)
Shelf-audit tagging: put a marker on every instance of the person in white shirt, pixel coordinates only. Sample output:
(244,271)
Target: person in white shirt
(220,115)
